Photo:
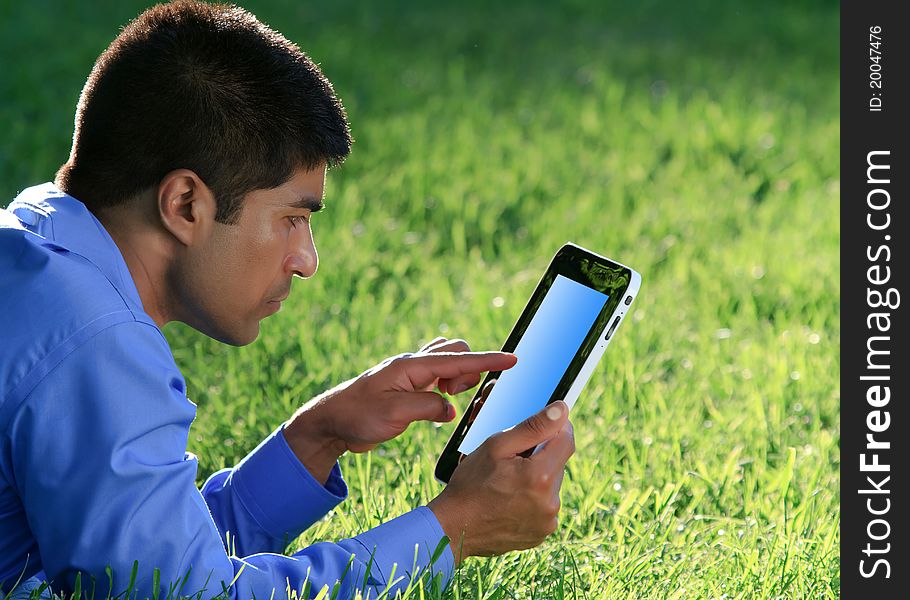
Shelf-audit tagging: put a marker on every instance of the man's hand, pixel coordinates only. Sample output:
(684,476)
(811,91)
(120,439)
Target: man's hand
(497,500)
(380,404)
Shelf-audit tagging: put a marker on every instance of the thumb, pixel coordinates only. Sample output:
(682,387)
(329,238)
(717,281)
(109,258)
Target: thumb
(534,430)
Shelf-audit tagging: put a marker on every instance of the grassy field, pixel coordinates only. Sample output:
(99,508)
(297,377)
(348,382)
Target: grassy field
(697,142)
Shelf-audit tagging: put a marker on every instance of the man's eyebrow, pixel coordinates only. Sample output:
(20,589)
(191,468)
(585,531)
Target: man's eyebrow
(311,203)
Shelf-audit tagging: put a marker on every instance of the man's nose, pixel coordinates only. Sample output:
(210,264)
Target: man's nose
(302,260)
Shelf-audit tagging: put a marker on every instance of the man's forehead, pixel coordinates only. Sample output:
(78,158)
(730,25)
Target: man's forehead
(305,189)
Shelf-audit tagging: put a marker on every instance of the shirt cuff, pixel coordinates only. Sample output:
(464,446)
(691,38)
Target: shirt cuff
(393,543)
(280,492)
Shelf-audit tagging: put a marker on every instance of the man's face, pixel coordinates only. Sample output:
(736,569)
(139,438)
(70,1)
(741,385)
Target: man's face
(240,273)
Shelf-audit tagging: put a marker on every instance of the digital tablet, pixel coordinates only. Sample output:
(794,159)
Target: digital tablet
(559,339)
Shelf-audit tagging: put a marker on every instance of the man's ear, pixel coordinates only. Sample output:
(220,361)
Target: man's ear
(186,206)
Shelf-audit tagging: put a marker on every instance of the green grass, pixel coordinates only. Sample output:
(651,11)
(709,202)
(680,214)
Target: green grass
(697,142)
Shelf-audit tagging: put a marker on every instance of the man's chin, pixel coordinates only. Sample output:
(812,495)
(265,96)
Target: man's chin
(244,339)
(233,336)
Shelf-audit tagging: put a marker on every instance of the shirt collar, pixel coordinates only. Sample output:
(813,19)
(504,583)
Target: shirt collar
(65,222)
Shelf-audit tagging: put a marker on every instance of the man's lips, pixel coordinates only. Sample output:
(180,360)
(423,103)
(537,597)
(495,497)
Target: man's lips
(281,298)
(275,305)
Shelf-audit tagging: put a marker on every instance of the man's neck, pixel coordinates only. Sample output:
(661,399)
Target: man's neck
(145,253)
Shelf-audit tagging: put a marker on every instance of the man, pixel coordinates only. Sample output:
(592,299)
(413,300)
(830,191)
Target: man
(200,149)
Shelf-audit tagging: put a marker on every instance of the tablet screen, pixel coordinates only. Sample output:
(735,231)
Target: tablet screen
(551,341)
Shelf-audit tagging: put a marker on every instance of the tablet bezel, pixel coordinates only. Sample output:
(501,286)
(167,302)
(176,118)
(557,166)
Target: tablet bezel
(617,281)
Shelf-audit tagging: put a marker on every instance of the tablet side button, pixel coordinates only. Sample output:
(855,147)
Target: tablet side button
(612,327)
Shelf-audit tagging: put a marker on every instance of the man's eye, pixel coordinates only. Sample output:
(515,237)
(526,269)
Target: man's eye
(297,220)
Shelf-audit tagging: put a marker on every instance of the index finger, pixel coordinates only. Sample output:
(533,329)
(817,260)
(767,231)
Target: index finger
(422,370)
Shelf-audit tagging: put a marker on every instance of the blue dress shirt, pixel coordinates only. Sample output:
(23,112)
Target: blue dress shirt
(94,421)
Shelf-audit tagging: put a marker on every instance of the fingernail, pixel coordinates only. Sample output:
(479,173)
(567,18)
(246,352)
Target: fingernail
(554,411)
(462,387)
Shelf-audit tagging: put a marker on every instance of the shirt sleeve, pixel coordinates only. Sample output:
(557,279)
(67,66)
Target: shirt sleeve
(99,461)
(269,498)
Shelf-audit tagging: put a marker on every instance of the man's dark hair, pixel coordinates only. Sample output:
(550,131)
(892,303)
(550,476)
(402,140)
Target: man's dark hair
(202,87)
